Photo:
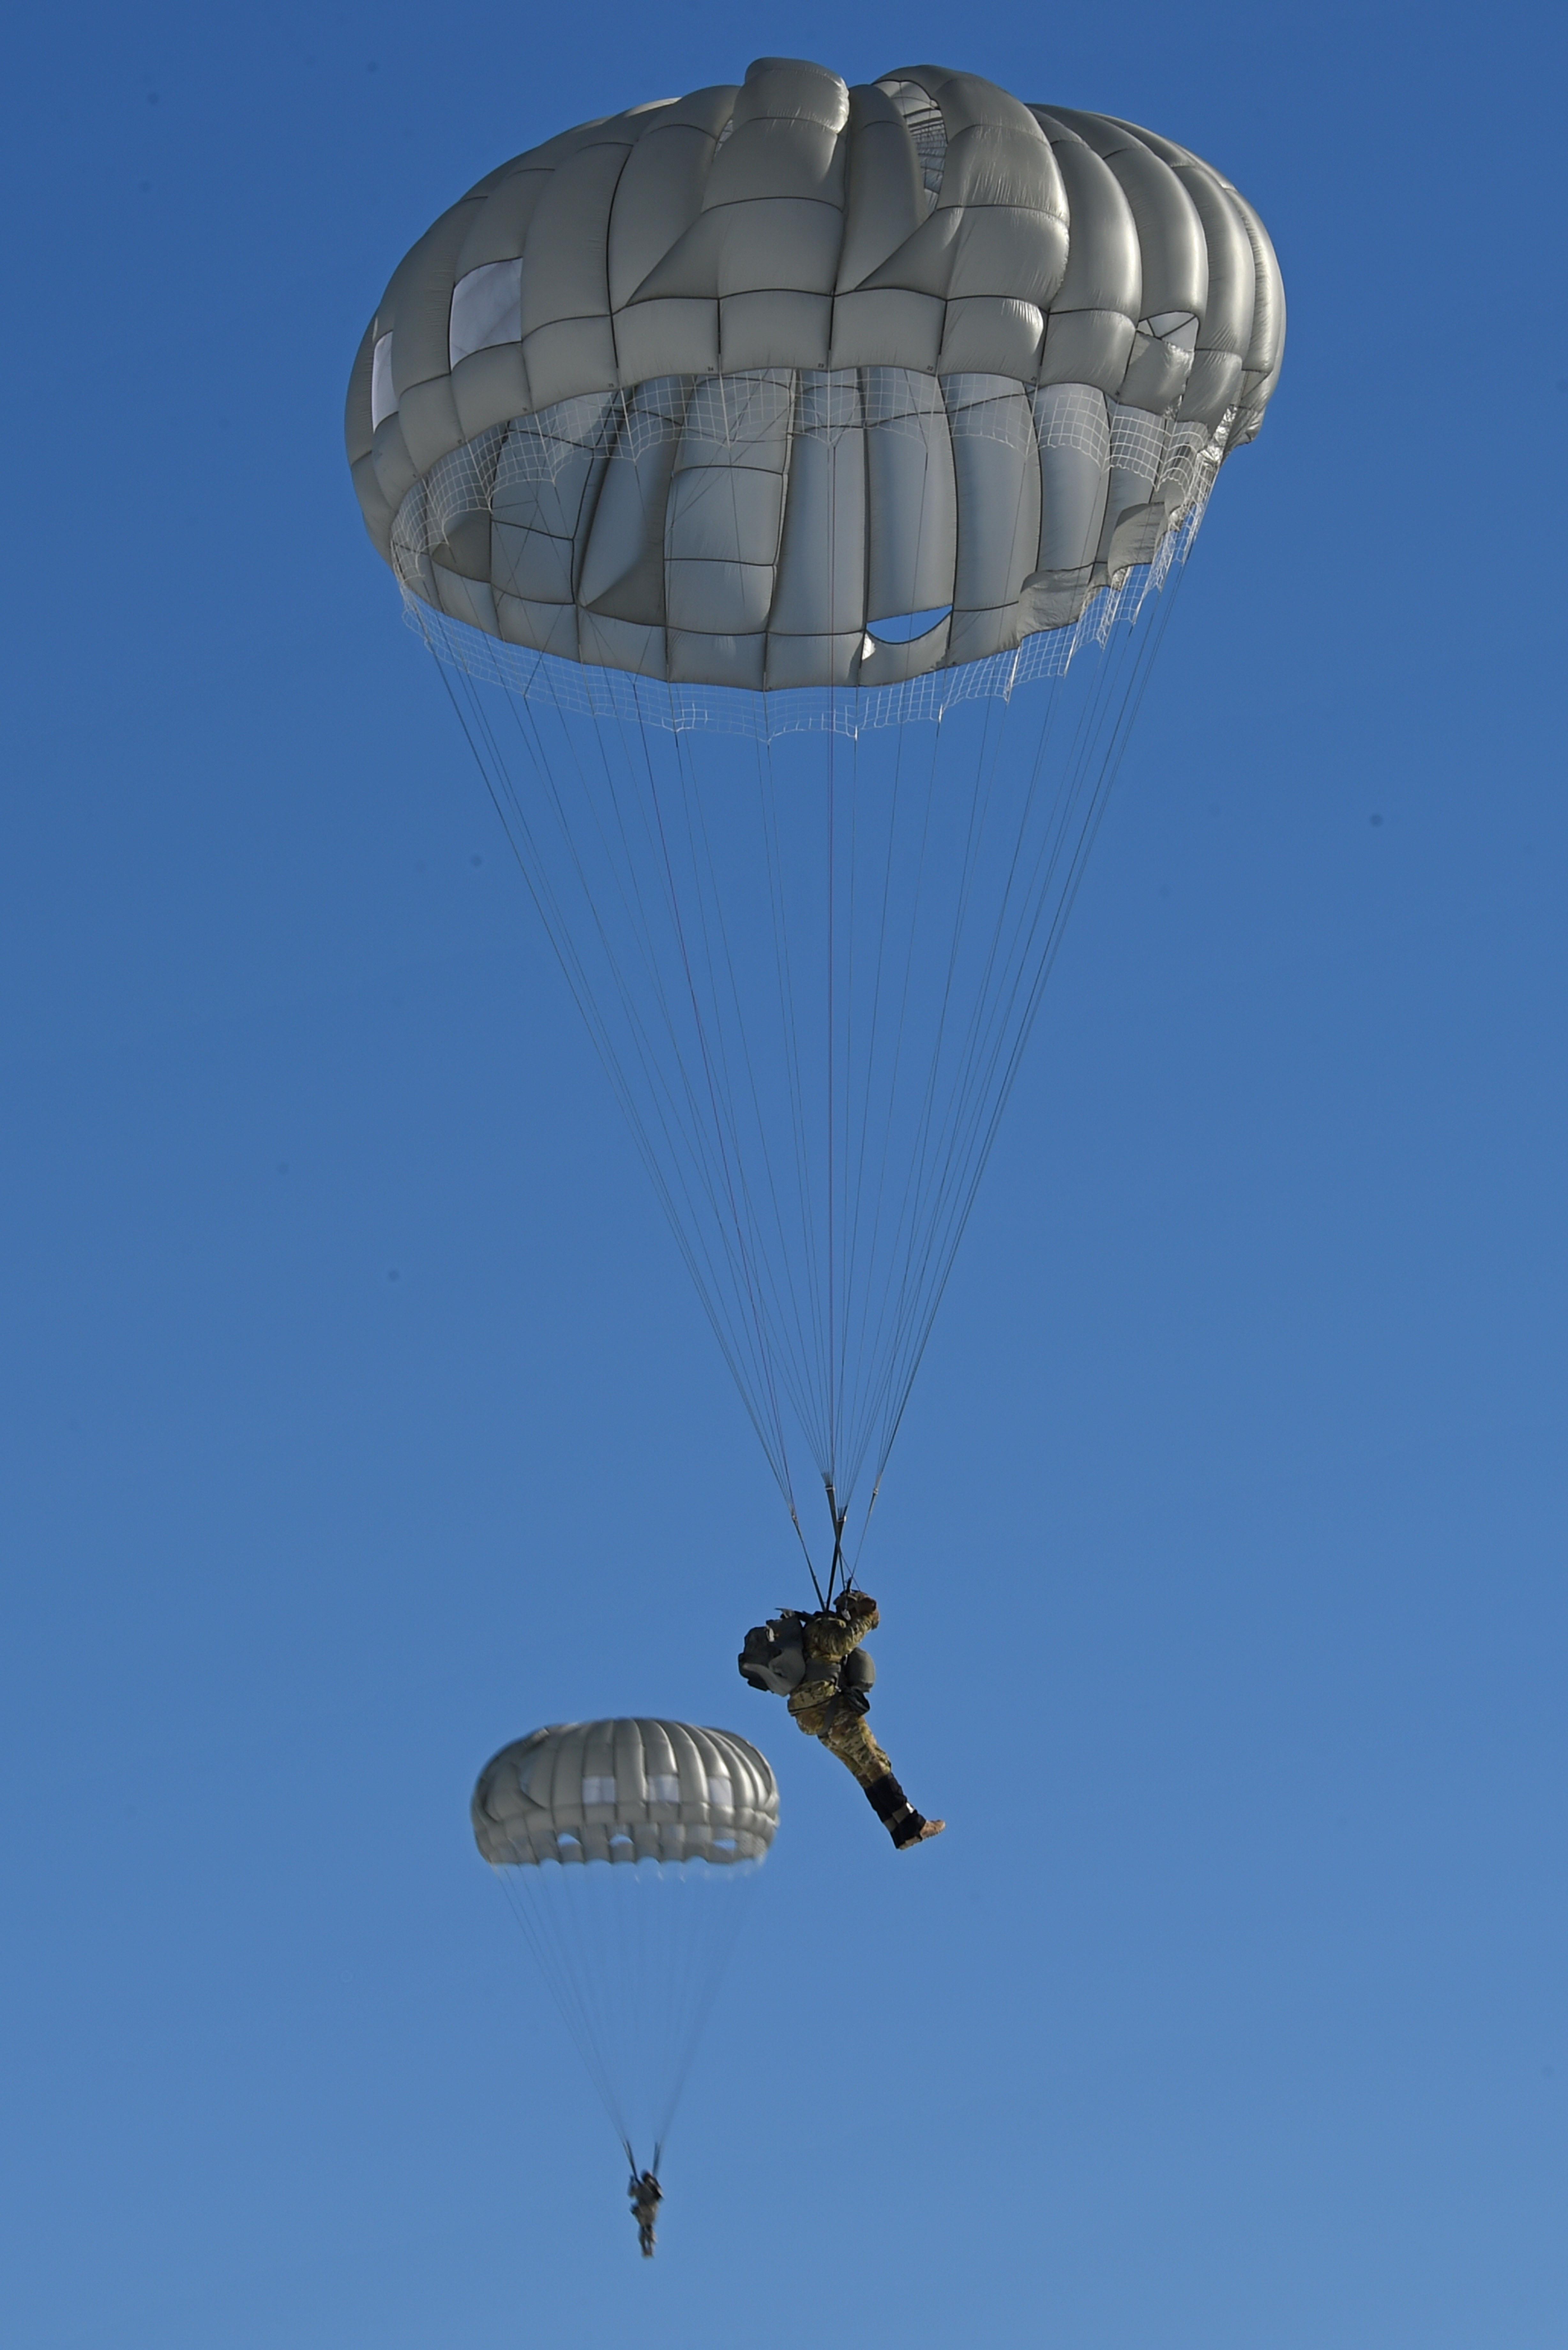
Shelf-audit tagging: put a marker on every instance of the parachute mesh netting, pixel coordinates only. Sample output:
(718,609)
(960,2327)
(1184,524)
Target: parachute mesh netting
(808,931)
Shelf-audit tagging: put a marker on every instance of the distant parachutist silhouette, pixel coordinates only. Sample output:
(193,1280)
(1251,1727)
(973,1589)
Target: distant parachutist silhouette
(647,2195)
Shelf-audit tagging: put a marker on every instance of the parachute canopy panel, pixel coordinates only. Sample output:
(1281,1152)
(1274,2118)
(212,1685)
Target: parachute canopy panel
(626,1791)
(731,389)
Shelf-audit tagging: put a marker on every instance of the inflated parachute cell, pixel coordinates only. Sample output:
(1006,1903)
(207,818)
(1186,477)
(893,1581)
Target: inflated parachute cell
(795,385)
(626,1791)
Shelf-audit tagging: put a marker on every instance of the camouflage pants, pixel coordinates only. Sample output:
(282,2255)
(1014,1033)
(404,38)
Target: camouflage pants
(849,1739)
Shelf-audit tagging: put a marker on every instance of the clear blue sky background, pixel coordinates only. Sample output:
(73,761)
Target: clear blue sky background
(357,1415)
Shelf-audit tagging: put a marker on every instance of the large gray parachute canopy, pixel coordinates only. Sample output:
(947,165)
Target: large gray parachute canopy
(800,385)
(626,1791)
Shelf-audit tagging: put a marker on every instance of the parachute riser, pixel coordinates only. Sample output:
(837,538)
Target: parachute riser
(840,1518)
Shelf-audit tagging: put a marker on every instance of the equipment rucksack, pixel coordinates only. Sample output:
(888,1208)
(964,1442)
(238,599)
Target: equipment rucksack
(774,1656)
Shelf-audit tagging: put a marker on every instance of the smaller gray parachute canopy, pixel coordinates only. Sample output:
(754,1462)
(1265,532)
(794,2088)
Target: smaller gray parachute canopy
(624,1791)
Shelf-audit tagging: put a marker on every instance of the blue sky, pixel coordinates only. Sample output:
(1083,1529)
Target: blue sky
(357,1414)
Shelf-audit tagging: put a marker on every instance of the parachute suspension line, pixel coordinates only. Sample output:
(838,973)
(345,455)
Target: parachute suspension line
(826,1313)
(868,1088)
(926,986)
(974,1070)
(564,1974)
(839,1517)
(972,1104)
(784,1293)
(861,1537)
(931,1174)
(831,1431)
(717,1182)
(1131,702)
(716,1078)
(634,1958)
(705,1983)
(506,798)
(503,795)
(842,1304)
(768,803)
(750,1260)
(950,1211)
(859,1141)
(810,1564)
(971,1072)
(1110,766)
(712,1142)
(938,1137)
(929,1127)
(841,1286)
(932,1150)
(912,945)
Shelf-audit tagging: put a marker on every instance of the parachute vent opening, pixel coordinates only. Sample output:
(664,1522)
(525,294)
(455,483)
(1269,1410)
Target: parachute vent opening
(486,309)
(1176,330)
(923,121)
(383,398)
(906,627)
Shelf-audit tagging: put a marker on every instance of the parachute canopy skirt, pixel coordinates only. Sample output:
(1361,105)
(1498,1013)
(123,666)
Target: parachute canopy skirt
(804,466)
(793,384)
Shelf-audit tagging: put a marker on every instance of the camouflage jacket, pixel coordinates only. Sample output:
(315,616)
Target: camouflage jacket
(827,1637)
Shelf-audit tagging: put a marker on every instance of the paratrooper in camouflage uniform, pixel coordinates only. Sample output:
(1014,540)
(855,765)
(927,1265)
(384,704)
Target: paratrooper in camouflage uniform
(823,1708)
(647,2195)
